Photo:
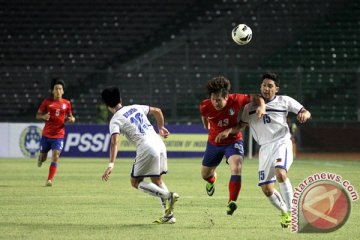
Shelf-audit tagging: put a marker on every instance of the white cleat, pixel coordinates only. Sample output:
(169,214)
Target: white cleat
(166,219)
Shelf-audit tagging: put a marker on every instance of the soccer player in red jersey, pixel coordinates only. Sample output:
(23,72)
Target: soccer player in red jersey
(220,116)
(54,111)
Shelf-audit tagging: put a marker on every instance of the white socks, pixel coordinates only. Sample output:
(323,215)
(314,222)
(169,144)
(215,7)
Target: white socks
(277,201)
(153,190)
(287,193)
(163,200)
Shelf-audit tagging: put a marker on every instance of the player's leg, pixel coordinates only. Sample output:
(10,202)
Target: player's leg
(149,188)
(151,162)
(212,158)
(209,175)
(235,155)
(235,163)
(168,216)
(45,146)
(162,185)
(56,146)
(53,167)
(274,197)
(154,190)
(163,169)
(286,189)
(42,158)
(284,160)
(277,201)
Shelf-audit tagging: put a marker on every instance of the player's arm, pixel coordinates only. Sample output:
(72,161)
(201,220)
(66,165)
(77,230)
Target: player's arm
(260,102)
(113,153)
(240,126)
(303,115)
(43,116)
(205,122)
(159,117)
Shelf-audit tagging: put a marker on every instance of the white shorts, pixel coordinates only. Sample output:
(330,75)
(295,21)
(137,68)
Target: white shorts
(278,154)
(150,160)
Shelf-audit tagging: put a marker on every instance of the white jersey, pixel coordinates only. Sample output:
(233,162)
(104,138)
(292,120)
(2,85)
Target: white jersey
(273,125)
(132,121)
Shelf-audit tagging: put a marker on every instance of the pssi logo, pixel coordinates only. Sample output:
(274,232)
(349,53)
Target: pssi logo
(85,142)
(30,141)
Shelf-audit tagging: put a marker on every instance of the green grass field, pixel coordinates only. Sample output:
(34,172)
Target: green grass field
(81,206)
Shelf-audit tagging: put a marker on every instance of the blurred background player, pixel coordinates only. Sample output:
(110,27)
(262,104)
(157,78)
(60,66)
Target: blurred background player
(151,156)
(272,133)
(219,115)
(54,111)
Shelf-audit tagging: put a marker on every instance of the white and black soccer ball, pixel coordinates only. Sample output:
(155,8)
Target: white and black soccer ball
(241,34)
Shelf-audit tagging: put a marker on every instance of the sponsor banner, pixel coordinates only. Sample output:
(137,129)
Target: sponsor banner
(184,141)
(20,139)
(176,142)
(23,140)
(94,141)
(86,141)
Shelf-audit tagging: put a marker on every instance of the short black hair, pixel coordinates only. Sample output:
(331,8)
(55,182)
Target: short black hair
(111,96)
(56,81)
(218,84)
(272,76)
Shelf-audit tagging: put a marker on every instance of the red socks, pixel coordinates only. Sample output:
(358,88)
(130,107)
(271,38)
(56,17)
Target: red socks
(52,170)
(211,179)
(234,187)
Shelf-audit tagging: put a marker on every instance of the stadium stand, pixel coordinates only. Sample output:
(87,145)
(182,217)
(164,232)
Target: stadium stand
(162,54)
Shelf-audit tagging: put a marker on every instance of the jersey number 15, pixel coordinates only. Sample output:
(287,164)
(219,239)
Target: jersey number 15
(266,119)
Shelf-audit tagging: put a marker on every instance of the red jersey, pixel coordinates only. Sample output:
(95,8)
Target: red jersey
(225,118)
(55,126)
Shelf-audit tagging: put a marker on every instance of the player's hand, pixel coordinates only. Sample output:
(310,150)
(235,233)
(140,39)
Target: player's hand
(71,119)
(164,132)
(46,116)
(304,116)
(222,135)
(260,111)
(106,174)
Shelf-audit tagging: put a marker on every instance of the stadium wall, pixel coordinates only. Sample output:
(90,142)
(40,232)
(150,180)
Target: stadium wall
(330,139)
(22,140)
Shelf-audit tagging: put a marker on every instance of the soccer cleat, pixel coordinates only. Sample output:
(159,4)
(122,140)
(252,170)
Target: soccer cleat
(171,202)
(48,183)
(285,220)
(231,207)
(166,219)
(39,163)
(210,187)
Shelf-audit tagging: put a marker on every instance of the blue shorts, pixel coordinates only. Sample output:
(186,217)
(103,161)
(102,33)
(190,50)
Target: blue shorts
(51,143)
(214,154)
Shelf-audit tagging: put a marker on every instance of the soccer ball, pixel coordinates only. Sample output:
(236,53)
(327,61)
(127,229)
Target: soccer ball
(241,34)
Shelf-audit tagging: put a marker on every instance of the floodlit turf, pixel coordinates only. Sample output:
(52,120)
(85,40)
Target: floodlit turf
(81,206)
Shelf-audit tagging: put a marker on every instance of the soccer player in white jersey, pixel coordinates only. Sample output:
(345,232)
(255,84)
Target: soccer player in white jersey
(151,157)
(272,134)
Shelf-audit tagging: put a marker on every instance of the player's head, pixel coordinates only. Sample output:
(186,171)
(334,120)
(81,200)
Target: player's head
(111,96)
(269,85)
(218,89)
(57,87)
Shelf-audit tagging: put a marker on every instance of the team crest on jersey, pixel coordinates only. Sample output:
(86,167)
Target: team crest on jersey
(64,106)
(231,111)
(30,141)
